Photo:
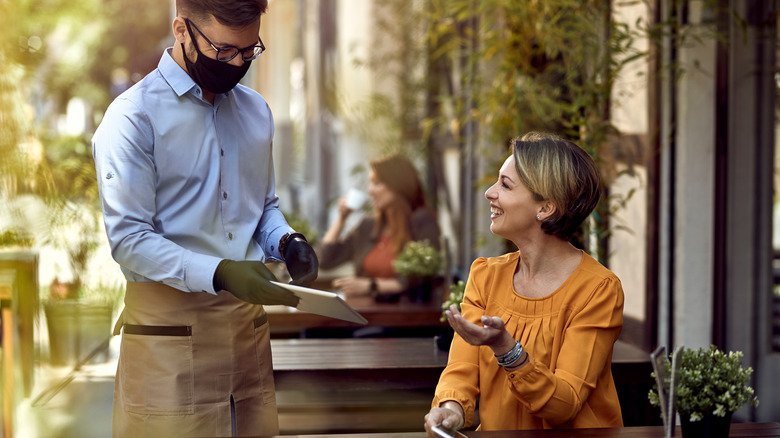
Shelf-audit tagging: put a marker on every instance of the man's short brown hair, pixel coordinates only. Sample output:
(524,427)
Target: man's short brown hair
(232,13)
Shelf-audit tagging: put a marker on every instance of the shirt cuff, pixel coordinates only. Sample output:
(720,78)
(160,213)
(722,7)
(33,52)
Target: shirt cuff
(274,237)
(200,273)
(522,372)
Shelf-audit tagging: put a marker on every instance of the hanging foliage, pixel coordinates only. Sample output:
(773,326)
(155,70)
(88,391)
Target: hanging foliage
(494,70)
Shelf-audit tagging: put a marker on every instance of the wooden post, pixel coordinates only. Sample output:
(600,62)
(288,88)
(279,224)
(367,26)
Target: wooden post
(6,299)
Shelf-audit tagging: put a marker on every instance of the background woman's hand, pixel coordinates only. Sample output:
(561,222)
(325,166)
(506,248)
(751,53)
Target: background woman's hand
(491,333)
(344,211)
(353,286)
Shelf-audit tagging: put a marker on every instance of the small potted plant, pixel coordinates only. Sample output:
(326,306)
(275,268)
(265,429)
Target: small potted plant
(710,386)
(455,297)
(79,313)
(420,263)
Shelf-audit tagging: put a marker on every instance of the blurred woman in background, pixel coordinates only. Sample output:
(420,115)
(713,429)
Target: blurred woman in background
(399,215)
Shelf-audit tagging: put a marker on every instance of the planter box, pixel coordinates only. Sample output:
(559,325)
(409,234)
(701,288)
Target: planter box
(78,332)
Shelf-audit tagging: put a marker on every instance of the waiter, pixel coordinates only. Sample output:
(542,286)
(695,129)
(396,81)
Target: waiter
(186,181)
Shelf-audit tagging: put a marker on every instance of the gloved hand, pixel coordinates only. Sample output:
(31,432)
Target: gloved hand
(301,261)
(250,281)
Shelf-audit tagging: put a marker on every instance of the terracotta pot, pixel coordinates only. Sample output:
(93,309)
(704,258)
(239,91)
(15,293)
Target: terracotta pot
(78,331)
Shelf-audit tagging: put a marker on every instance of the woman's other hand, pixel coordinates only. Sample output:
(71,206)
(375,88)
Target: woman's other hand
(449,415)
(353,286)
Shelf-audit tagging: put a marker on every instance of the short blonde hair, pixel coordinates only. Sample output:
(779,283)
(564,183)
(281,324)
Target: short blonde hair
(558,170)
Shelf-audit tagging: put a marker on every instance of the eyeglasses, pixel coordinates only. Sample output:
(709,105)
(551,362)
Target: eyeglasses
(227,53)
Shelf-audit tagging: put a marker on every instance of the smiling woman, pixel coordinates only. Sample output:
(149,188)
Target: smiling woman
(558,171)
(548,313)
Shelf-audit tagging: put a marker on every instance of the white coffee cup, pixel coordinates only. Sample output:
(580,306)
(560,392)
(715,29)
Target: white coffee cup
(355,199)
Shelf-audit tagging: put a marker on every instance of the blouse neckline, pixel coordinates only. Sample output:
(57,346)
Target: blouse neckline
(562,286)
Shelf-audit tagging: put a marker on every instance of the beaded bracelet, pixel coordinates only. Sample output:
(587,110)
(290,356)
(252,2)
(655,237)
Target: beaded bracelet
(510,356)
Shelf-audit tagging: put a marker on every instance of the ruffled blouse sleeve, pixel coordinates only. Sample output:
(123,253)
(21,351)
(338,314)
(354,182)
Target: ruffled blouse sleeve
(460,379)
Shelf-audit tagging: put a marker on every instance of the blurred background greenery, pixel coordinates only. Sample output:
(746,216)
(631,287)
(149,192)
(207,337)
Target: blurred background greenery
(63,62)
(458,67)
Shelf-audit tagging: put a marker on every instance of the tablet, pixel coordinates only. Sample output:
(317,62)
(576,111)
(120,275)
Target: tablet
(444,432)
(323,303)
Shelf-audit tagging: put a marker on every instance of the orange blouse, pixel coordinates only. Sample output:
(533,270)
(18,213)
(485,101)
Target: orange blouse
(569,336)
(379,261)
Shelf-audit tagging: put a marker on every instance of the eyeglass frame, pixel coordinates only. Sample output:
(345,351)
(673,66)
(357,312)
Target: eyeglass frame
(189,22)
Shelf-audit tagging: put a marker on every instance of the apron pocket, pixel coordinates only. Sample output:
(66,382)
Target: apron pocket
(264,360)
(157,370)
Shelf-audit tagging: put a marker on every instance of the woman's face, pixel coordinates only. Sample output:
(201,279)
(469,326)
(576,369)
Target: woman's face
(380,193)
(513,209)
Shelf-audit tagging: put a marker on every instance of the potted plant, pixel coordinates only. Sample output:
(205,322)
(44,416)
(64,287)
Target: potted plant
(79,327)
(420,263)
(79,313)
(455,297)
(710,386)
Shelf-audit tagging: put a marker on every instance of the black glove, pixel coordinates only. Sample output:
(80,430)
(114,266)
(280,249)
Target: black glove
(299,256)
(250,281)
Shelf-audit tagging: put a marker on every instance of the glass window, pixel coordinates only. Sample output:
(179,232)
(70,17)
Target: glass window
(776,216)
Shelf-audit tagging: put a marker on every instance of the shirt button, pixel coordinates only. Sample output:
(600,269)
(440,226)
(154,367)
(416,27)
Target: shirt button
(230,236)
(224,195)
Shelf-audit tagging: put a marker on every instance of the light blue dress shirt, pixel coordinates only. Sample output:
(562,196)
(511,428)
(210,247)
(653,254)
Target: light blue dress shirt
(184,184)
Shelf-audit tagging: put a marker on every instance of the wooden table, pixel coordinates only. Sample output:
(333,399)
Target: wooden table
(405,363)
(386,384)
(737,430)
(285,321)
(354,384)
(24,265)
(355,363)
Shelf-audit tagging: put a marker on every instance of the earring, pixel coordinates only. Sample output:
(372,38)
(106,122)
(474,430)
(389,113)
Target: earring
(538,216)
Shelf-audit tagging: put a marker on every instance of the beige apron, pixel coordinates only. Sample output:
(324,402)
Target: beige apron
(192,364)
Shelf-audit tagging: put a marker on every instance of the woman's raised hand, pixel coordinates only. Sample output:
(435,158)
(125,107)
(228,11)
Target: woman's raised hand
(491,333)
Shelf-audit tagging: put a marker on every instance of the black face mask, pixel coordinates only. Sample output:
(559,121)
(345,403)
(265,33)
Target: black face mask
(212,75)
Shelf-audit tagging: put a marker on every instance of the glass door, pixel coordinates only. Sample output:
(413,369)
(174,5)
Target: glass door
(776,218)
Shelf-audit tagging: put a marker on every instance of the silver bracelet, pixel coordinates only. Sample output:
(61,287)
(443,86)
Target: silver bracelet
(503,357)
(510,356)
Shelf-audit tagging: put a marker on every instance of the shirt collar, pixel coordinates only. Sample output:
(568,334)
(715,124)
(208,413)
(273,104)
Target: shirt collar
(174,74)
